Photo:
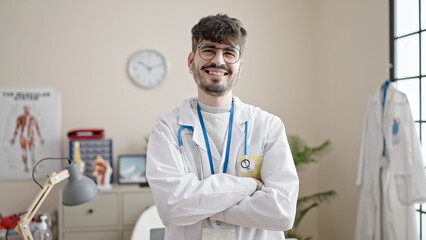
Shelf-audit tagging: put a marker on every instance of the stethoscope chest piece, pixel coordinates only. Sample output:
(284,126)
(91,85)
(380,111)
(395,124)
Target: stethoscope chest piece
(247,165)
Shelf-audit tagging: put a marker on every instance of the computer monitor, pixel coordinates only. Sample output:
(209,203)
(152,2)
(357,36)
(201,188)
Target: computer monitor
(132,169)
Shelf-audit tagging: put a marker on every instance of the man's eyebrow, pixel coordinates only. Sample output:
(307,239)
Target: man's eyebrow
(231,48)
(208,45)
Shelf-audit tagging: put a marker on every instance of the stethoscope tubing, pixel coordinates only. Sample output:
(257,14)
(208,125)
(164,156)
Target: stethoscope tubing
(180,142)
(245,140)
(180,133)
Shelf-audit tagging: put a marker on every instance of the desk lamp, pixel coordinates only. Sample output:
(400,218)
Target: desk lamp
(78,190)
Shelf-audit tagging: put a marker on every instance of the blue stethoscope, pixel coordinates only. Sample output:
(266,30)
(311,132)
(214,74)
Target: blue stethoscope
(245,164)
(385,89)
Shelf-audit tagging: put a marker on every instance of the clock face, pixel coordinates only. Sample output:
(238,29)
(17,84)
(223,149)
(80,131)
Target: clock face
(148,68)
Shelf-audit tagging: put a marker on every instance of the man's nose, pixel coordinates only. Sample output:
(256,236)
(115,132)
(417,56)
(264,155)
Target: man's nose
(218,58)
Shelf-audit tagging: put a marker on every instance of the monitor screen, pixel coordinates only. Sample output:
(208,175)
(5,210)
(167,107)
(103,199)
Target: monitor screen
(131,169)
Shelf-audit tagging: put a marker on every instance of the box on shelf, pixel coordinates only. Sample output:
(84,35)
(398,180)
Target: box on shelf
(96,154)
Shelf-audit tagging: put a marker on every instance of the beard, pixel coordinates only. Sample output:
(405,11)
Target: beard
(214,87)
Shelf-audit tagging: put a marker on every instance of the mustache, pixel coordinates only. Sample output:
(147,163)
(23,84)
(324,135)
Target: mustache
(213,65)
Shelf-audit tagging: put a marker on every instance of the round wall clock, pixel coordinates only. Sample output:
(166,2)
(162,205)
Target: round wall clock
(148,68)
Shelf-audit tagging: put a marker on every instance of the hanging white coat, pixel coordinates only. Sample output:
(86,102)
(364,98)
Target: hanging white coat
(400,174)
(189,198)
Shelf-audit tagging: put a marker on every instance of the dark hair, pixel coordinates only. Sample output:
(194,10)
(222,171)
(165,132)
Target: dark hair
(220,29)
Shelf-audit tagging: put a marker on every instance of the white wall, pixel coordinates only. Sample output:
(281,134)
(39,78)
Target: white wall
(352,55)
(312,63)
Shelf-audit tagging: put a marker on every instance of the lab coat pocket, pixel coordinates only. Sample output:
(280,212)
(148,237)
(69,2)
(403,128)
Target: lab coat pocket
(396,136)
(250,166)
(250,161)
(404,188)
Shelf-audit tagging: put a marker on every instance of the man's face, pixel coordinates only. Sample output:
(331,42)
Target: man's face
(215,76)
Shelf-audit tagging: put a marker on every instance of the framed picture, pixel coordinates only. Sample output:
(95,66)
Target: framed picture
(132,169)
(30,127)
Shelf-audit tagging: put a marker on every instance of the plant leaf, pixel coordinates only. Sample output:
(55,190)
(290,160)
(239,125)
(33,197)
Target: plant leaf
(301,213)
(317,198)
(303,154)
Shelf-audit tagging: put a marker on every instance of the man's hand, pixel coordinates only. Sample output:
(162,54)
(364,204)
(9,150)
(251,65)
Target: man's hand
(259,184)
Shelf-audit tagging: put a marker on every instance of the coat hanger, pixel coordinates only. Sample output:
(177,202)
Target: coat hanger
(385,85)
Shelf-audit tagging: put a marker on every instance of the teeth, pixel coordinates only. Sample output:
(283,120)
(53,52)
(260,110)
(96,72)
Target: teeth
(217,73)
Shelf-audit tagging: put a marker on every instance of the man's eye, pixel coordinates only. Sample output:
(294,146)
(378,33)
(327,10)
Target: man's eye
(230,53)
(208,50)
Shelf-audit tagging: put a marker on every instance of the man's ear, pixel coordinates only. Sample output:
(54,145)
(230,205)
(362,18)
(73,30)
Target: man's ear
(191,59)
(241,67)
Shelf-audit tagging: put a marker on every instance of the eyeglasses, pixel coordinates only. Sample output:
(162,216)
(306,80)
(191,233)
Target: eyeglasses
(230,54)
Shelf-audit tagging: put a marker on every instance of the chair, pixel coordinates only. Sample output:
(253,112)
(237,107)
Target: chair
(148,220)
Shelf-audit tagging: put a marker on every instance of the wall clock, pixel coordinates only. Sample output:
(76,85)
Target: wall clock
(148,68)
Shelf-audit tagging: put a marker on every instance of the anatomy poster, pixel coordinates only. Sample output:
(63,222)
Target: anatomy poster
(30,130)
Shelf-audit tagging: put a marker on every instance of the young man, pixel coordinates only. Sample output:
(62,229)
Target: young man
(219,168)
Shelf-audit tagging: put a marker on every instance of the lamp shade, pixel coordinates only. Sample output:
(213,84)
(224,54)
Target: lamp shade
(79,189)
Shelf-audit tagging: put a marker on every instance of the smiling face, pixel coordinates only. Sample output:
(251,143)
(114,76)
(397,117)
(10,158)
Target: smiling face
(215,77)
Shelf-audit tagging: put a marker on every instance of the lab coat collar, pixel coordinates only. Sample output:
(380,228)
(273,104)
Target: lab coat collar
(377,100)
(242,112)
(188,118)
(186,114)
(378,94)
(390,93)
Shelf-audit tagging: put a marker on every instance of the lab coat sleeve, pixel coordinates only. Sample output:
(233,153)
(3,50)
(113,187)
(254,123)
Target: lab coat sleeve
(419,191)
(409,168)
(181,198)
(274,207)
(362,151)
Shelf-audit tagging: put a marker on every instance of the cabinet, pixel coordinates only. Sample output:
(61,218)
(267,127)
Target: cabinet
(111,216)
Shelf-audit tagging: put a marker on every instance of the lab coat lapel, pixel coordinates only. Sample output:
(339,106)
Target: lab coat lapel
(376,102)
(388,104)
(188,118)
(381,115)
(241,115)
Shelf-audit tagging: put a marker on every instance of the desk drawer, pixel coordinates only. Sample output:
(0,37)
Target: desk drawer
(102,211)
(92,235)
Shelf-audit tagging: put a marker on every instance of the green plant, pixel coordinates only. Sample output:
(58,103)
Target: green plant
(303,154)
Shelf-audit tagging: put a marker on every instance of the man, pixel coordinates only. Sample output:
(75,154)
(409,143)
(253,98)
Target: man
(219,168)
(26,123)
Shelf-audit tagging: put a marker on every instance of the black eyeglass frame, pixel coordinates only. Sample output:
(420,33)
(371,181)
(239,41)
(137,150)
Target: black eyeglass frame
(216,48)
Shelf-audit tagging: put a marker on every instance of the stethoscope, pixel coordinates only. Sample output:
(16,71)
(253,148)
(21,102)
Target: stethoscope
(246,165)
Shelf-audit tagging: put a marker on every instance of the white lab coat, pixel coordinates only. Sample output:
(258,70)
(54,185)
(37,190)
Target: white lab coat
(402,180)
(189,198)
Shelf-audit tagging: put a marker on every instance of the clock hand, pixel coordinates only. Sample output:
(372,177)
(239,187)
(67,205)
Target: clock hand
(158,65)
(145,65)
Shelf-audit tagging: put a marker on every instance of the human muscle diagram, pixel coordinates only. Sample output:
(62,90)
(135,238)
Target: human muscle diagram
(30,131)
(26,126)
